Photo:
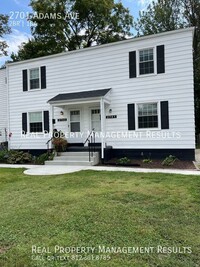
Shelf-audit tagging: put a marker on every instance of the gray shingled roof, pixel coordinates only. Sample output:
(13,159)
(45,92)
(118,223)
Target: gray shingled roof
(79,95)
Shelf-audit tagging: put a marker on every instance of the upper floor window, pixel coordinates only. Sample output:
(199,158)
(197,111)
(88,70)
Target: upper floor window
(146,61)
(35,122)
(34,78)
(147,115)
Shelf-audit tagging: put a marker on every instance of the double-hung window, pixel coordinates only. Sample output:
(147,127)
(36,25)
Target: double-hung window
(34,75)
(35,122)
(146,61)
(75,120)
(147,115)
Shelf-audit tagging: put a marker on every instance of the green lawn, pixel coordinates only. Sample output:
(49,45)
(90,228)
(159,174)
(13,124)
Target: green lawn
(92,209)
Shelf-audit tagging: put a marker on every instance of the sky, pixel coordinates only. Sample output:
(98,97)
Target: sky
(17,11)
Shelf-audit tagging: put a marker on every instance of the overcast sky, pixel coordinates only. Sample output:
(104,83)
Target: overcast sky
(17,10)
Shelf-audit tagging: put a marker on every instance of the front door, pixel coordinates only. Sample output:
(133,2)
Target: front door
(75,121)
(96,120)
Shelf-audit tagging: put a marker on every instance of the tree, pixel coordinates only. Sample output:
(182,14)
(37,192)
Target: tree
(164,15)
(4,29)
(167,15)
(60,25)
(33,49)
(192,14)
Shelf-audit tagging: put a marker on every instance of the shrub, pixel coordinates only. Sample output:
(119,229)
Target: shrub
(169,161)
(60,144)
(148,161)
(3,156)
(43,157)
(123,161)
(18,157)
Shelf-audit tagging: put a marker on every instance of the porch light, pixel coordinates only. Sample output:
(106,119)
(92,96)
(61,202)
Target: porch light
(110,110)
(61,113)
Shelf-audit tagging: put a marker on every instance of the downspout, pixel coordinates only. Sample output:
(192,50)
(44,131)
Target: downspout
(102,126)
(8,106)
(51,120)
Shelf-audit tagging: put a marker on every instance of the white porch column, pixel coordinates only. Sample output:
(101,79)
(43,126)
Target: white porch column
(102,106)
(51,120)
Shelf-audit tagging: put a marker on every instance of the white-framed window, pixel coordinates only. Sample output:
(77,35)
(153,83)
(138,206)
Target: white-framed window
(75,118)
(34,78)
(96,119)
(36,124)
(147,115)
(146,61)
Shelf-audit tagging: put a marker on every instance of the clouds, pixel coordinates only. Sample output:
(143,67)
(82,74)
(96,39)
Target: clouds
(17,2)
(144,3)
(14,40)
(139,3)
(23,4)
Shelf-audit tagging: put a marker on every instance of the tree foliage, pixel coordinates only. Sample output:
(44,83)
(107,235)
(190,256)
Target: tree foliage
(4,29)
(60,25)
(160,16)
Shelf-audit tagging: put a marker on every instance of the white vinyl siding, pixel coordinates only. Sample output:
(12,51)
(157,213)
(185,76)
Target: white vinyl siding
(3,106)
(78,71)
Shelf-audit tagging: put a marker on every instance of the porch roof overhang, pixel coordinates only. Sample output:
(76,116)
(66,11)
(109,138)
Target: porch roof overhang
(80,97)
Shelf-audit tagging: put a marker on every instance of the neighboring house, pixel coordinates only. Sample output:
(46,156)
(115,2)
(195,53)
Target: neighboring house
(3,106)
(136,94)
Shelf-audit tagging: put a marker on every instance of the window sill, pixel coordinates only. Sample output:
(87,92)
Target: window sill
(147,129)
(33,90)
(147,75)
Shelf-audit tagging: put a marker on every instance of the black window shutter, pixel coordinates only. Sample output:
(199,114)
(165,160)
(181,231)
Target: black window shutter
(164,114)
(46,121)
(25,80)
(160,59)
(24,123)
(43,77)
(131,116)
(132,64)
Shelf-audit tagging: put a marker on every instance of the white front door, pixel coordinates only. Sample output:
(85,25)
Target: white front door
(75,121)
(96,119)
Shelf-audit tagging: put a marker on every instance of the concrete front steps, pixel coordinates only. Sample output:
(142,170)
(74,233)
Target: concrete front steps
(79,158)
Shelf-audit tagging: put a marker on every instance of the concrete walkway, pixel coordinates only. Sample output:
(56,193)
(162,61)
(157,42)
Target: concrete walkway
(55,170)
(197,155)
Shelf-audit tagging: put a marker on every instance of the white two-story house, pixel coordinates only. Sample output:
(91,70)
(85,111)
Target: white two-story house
(3,106)
(137,95)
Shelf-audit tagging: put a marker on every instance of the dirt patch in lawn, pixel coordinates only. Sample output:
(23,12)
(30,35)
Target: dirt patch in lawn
(155,164)
(4,249)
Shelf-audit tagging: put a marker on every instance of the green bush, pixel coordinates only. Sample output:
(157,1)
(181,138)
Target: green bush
(147,161)
(123,161)
(169,161)
(40,160)
(18,157)
(3,156)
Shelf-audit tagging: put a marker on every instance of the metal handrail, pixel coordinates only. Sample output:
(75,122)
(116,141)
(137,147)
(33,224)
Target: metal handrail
(47,143)
(87,139)
(91,143)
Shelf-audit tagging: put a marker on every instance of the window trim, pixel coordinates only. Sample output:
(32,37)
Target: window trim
(90,110)
(154,61)
(28,122)
(29,80)
(75,109)
(159,116)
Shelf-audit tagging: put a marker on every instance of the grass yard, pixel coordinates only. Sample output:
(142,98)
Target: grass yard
(92,209)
